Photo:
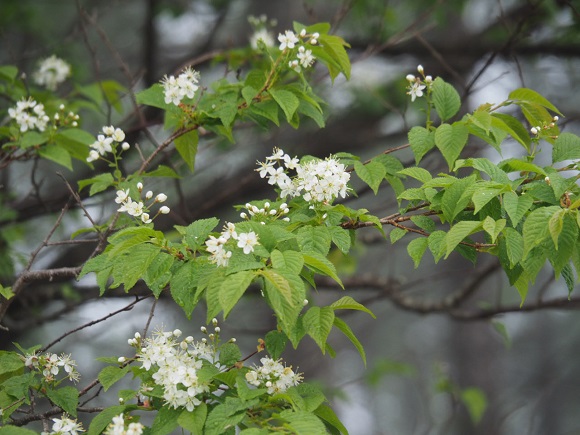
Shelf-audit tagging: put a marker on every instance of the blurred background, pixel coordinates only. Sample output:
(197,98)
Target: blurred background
(449,340)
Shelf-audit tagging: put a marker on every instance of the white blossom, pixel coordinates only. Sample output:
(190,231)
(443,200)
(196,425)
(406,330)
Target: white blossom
(247,241)
(273,375)
(185,85)
(51,72)
(288,39)
(29,115)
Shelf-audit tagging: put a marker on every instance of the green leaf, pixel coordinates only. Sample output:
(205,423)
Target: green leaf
(517,165)
(317,322)
(220,418)
(56,154)
(458,232)
(421,141)
(486,166)
(341,238)
(287,101)
(516,206)
(153,96)
(348,303)
(417,173)
(445,98)
(193,421)
(6,292)
(536,229)
(66,398)
(416,248)
(9,362)
(456,197)
(334,46)
(529,95)
(514,245)
(159,273)
(275,343)
(313,238)
(163,172)
(15,430)
(493,227)
(98,184)
(397,234)
(183,285)
(476,403)
(423,222)
(320,264)
(345,329)
(186,146)
(291,261)
(230,354)
(326,413)
(232,289)
(303,423)
(482,118)
(32,138)
(450,139)
(197,232)
(8,72)
(437,244)
(166,420)
(513,127)
(134,265)
(373,173)
(555,225)
(111,374)
(566,147)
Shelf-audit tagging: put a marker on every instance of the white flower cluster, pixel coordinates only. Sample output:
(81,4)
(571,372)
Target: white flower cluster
(175,364)
(185,85)
(416,84)
(304,57)
(261,32)
(107,143)
(117,427)
(49,364)
(318,181)
(137,208)
(65,426)
(216,246)
(266,213)
(273,376)
(29,115)
(51,72)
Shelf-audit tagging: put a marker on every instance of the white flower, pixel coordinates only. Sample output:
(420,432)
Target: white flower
(416,90)
(288,39)
(145,218)
(247,241)
(103,144)
(109,130)
(51,72)
(122,196)
(65,426)
(305,57)
(273,375)
(29,115)
(185,85)
(261,35)
(93,155)
(118,135)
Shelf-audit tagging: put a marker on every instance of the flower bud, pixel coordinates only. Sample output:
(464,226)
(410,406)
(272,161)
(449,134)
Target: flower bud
(410,78)
(140,186)
(305,302)
(534,130)
(164,210)
(121,359)
(217,329)
(420,69)
(555,118)
(125,146)
(149,195)
(303,33)
(177,333)
(61,107)
(203,329)
(161,197)
(243,215)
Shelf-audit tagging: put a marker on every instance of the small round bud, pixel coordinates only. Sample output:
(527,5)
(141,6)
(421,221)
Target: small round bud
(266,205)
(314,41)
(243,215)
(204,340)
(211,336)
(214,321)
(164,210)
(316,35)
(420,69)
(534,130)
(56,117)
(305,302)
(286,219)
(286,210)
(121,400)
(149,195)
(189,339)
(140,186)
(161,197)
(303,33)
(273,212)
(428,79)
(183,345)
(203,329)
(217,329)
(283,206)
(75,124)
(177,332)
(555,118)
(233,340)
(410,78)
(125,146)
(268,384)
(61,107)
(121,360)
(137,335)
